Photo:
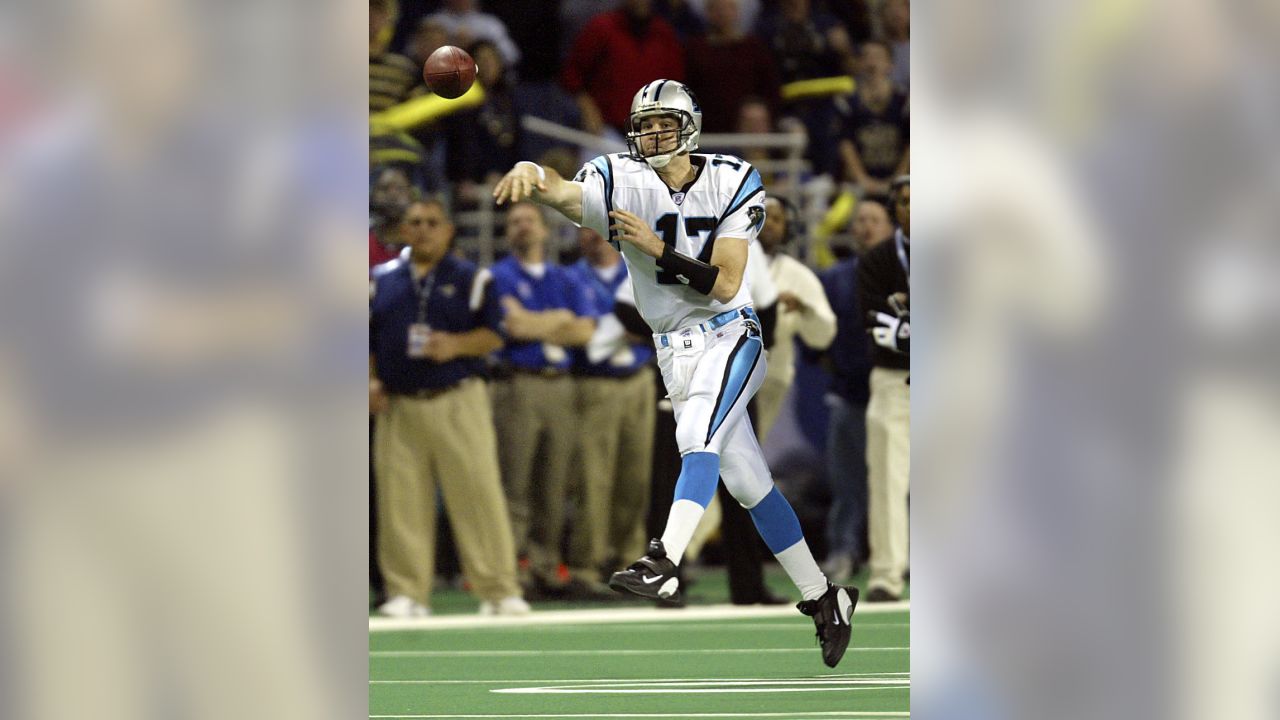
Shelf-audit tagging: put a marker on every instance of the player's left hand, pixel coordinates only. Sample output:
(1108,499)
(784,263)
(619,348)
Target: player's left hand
(630,228)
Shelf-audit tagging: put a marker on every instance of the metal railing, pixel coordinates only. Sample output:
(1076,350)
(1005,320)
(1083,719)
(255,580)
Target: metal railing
(477,227)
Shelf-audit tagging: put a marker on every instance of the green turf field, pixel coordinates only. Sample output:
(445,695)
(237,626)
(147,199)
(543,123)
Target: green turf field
(703,662)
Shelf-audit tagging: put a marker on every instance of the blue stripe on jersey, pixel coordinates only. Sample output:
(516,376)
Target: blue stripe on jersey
(751,184)
(737,373)
(601,163)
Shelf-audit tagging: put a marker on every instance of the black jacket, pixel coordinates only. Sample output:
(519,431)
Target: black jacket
(880,275)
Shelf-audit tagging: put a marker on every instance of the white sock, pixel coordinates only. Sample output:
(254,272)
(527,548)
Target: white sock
(681,523)
(803,569)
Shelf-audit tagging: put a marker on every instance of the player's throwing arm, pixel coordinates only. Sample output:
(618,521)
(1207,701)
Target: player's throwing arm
(530,181)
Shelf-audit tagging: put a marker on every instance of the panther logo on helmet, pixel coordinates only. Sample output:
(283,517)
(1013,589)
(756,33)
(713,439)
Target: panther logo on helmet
(664,98)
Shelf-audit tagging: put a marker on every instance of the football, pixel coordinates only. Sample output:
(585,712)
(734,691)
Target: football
(449,71)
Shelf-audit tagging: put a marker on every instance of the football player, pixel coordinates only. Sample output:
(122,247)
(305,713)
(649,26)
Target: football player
(684,223)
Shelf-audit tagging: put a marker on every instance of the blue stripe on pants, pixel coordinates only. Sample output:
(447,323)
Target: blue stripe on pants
(742,362)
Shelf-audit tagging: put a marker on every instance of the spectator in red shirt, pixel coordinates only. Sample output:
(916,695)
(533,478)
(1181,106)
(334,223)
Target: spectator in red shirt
(615,54)
(378,252)
(725,67)
(388,198)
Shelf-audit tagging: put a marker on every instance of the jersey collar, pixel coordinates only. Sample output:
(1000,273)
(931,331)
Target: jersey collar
(698,162)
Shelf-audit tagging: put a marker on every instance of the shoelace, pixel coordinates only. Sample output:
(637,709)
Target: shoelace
(821,626)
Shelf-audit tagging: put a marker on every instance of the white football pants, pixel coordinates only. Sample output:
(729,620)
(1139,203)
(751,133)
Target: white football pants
(710,377)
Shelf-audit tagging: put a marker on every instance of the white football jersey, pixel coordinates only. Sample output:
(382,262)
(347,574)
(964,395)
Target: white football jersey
(725,199)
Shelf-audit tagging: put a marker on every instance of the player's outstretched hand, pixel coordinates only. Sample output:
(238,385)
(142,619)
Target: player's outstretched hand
(518,184)
(629,227)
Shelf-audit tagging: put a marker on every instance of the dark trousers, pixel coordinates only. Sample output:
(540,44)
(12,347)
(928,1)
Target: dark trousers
(847,472)
(744,550)
(666,464)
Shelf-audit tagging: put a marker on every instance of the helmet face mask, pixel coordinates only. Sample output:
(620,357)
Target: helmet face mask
(654,144)
(663,98)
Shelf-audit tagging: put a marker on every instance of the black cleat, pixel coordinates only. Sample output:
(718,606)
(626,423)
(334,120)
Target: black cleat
(832,614)
(653,576)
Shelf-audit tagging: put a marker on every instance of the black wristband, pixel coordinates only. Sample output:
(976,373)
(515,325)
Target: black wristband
(694,273)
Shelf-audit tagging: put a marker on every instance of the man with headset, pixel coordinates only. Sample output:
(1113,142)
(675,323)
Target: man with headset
(803,311)
(884,287)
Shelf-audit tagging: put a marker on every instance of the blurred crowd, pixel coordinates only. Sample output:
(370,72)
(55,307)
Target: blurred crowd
(520,436)
(835,74)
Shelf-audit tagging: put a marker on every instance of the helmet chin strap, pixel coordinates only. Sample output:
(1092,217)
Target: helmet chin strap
(660,161)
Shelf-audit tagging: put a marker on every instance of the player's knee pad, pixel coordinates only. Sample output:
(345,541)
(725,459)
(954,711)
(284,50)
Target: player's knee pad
(747,491)
(691,436)
(746,478)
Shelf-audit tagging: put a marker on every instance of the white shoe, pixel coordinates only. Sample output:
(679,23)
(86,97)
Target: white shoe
(401,606)
(514,605)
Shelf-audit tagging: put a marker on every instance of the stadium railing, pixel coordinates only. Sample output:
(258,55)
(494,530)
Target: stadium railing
(479,228)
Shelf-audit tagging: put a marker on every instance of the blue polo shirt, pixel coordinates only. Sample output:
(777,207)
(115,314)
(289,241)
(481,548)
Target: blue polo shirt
(605,291)
(460,299)
(556,289)
(850,351)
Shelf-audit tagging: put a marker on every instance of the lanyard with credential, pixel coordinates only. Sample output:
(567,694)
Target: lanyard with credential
(902,255)
(423,291)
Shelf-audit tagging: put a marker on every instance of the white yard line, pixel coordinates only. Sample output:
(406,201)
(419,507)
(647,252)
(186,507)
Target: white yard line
(672,652)
(614,681)
(790,715)
(713,686)
(698,687)
(614,615)
(788,625)
(701,691)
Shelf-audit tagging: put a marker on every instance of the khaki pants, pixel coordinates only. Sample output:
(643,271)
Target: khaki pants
(448,442)
(769,404)
(888,477)
(612,475)
(537,425)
